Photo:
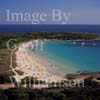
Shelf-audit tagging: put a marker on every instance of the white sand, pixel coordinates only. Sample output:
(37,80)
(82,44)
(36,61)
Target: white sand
(31,67)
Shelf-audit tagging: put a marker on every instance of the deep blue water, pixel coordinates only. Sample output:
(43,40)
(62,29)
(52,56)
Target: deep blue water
(67,54)
(50,28)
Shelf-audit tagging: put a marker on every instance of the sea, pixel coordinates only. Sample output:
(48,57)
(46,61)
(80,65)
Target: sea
(65,56)
(72,57)
(6,28)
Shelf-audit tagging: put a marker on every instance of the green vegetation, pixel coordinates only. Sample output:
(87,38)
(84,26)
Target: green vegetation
(4,78)
(51,94)
(4,60)
(20,37)
(91,91)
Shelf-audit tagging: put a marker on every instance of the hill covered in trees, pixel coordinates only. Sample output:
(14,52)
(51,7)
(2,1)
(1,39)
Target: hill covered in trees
(20,37)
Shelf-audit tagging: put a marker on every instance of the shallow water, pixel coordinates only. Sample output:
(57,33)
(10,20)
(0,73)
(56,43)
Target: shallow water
(68,57)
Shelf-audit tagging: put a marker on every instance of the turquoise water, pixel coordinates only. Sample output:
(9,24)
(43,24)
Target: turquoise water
(75,55)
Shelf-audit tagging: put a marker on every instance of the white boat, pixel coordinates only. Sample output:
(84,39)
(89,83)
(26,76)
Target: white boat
(83,43)
(74,42)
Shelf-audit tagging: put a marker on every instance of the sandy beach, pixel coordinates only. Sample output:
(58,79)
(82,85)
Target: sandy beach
(31,66)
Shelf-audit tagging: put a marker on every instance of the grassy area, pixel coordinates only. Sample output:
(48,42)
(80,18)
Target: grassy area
(5,60)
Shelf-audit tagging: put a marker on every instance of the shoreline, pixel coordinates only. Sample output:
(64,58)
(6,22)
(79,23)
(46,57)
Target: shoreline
(39,60)
(31,67)
(51,65)
(27,64)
